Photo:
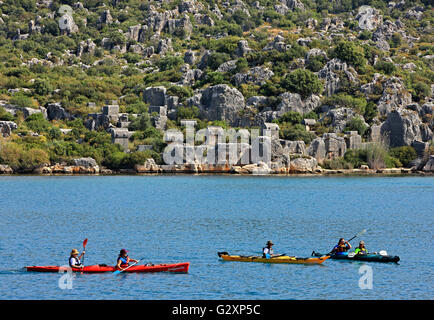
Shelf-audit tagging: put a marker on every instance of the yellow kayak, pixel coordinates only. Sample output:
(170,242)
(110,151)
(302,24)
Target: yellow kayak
(279,259)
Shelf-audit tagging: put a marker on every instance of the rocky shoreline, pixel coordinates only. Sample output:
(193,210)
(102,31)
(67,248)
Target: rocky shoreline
(151,168)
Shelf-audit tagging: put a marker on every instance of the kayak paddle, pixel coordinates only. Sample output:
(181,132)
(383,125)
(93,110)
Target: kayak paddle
(119,271)
(84,247)
(358,235)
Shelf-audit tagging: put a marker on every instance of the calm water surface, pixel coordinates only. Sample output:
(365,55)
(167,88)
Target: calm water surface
(190,218)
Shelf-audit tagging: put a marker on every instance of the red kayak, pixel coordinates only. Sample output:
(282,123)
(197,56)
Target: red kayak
(174,267)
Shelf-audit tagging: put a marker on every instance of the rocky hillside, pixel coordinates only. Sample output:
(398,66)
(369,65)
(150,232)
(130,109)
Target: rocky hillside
(348,83)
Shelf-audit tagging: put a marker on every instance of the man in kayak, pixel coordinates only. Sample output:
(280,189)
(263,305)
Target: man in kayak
(342,246)
(267,251)
(74,259)
(124,260)
(361,249)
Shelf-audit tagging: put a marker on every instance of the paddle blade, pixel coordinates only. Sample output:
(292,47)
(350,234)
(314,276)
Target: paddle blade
(361,232)
(84,243)
(116,272)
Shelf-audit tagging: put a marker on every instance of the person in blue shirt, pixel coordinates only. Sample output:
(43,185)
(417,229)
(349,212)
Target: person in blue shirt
(341,247)
(124,260)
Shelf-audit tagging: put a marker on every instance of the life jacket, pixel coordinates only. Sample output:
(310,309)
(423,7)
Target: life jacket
(267,255)
(360,251)
(124,261)
(77,260)
(340,248)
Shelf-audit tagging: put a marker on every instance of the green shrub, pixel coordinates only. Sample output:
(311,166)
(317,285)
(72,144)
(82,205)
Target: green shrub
(421,91)
(292,117)
(316,63)
(36,122)
(5,116)
(377,157)
(386,67)
(21,100)
(42,87)
(295,132)
(19,158)
(170,62)
(187,113)
(351,53)
(217,58)
(303,81)
(357,124)
(183,92)
(347,101)
(336,164)
(142,122)
(404,154)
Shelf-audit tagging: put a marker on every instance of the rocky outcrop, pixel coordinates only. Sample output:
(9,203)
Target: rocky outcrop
(189,76)
(315,52)
(333,73)
(86,46)
(278,44)
(55,111)
(256,75)
(429,166)
(228,66)
(243,48)
(6,128)
(303,165)
(164,46)
(329,146)
(85,162)
(190,57)
(155,96)
(402,127)
(339,117)
(148,167)
(384,33)
(294,102)
(394,96)
(13,109)
(5,169)
(220,102)
(369,18)
(105,18)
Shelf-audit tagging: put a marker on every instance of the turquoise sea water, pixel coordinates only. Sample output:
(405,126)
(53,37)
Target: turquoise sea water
(190,218)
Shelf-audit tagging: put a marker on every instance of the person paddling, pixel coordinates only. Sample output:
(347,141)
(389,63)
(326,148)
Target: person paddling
(341,247)
(267,251)
(124,260)
(361,249)
(74,259)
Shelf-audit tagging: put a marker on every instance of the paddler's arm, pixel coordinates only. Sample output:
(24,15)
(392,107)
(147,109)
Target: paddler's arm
(81,255)
(348,245)
(118,265)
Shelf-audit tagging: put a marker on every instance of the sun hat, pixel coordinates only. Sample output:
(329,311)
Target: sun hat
(269,242)
(74,251)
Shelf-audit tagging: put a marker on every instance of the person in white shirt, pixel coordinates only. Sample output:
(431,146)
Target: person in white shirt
(267,251)
(74,259)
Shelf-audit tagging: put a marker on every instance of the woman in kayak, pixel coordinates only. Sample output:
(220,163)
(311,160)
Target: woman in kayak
(361,249)
(74,259)
(342,246)
(124,260)
(267,251)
